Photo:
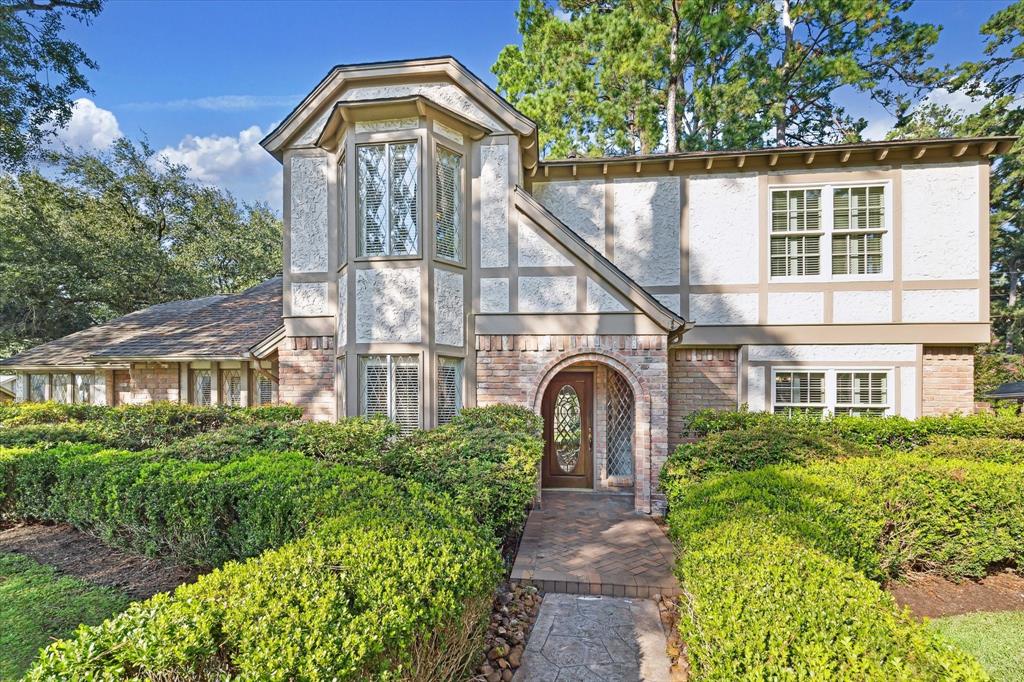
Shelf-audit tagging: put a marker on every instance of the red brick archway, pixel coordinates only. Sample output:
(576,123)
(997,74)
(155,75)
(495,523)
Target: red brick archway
(641,407)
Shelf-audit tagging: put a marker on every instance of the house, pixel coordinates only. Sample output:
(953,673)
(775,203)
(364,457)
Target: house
(432,261)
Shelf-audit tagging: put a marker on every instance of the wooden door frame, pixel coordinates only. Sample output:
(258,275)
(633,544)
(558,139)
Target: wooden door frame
(587,399)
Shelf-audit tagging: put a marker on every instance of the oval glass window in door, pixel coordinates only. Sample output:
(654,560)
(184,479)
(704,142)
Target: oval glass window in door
(568,429)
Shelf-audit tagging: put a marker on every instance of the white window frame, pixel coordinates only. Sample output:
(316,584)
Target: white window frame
(390,388)
(192,397)
(827,231)
(830,384)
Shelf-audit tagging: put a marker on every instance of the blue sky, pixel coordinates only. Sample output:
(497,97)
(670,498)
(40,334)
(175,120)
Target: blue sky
(206,80)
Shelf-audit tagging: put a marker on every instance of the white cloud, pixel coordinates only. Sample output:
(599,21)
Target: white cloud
(90,128)
(957,101)
(220,103)
(235,163)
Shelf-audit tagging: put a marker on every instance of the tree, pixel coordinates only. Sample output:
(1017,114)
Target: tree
(40,72)
(117,232)
(634,76)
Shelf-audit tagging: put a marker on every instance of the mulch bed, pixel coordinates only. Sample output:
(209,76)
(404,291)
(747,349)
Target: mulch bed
(929,596)
(81,555)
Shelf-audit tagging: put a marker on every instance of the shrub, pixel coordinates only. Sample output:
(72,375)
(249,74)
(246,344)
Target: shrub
(506,417)
(762,443)
(999,450)
(43,434)
(776,562)
(394,587)
(21,414)
(229,442)
(355,440)
(760,605)
(894,432)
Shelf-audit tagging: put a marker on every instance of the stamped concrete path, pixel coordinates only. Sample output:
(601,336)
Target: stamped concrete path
(595,639)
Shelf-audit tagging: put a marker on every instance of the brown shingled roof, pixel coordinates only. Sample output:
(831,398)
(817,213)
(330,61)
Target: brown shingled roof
(213,327)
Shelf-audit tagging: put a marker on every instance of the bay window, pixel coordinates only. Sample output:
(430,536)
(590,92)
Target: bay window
(389,386)
(448,205)
(387,189)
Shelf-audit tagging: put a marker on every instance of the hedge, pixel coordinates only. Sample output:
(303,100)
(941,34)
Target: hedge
(894,432)
(1003,451)
(776,561)
(395,586)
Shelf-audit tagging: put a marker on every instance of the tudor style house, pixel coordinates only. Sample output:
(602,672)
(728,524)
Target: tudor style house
(433,261)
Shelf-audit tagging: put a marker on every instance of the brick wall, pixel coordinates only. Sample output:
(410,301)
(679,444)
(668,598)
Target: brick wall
(947,384)
(698,378)
(516,369)
(150,383)
(306,375)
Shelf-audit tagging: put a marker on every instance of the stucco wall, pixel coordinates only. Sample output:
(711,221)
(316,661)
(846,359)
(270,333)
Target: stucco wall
(600,300)
(646,220)
(309,299)
(494,206)
(861,307)
(796,307)
(555,294)
(941,305)
(710,309)
(579,204)
(448,308)
(941,219)
(723,224)
(388,305)
(308,214)
(494,295)
(534,250)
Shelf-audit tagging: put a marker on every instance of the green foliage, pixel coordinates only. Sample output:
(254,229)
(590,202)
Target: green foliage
(356,440)
(761,605)
(1000,450)
(117,232)
(764,442)
(393,586)
(41,73)
(777,561)
(37,605)
(38,434)
(631,77)
(506,417)
(232,441)
(893,432)
(992,368)
(993,638)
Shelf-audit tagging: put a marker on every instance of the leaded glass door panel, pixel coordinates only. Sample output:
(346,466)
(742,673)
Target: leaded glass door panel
(567,408)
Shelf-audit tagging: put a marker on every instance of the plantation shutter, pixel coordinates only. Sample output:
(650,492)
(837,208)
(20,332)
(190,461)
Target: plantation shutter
(373,373)
(264,389)
(406,393)
(862,393)
(795,213)
(449,389)
(448,204)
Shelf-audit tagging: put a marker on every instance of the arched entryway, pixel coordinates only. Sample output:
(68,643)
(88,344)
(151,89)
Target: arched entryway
(597,427)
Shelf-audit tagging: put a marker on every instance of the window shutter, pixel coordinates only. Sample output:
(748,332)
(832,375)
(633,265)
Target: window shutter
(373,373)
(372,190)
(448,204)
(449,389)
(406,393)
(403,181)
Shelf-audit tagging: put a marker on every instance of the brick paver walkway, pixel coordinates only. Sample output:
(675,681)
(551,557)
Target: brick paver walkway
(594,543)
(595,639)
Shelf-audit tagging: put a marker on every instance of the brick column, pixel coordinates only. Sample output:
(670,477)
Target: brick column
(947,384)
(306,367)
(698,378)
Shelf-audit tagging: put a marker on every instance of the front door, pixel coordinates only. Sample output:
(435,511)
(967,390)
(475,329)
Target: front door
(567,431)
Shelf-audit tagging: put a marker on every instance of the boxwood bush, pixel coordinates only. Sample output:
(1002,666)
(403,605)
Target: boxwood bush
(776,561)
(894,432)
(394,583)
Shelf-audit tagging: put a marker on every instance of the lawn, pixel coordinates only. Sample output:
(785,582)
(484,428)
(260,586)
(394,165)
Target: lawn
(37,605)
(995,639)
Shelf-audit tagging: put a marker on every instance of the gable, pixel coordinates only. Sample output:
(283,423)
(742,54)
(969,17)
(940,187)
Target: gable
(556,271)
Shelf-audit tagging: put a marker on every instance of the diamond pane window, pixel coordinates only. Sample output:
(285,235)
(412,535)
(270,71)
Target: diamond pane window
(201,386)
(567,429)
(449,389)
(387,192)
(37,387)
(83,388)
(799,392)
(389,385)
(403,174)
(448,204)
(231,387)
(342,211)
(620,427)
(862,393)
(61,388)
(372,190)
(264,389)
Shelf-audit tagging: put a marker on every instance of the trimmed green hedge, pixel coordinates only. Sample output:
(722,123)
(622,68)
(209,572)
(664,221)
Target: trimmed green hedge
(894,432)
(1002,451)
(776,561)
(41,434)
(392,584)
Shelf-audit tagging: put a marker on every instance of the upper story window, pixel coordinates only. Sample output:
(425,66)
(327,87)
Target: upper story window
(387,182)
(831,231)
(448,205)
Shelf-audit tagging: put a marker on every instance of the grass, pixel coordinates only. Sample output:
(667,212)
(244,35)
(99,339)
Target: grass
(38,605)
(995,639)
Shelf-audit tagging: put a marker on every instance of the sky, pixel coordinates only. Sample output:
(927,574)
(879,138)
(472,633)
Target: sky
(204,81)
